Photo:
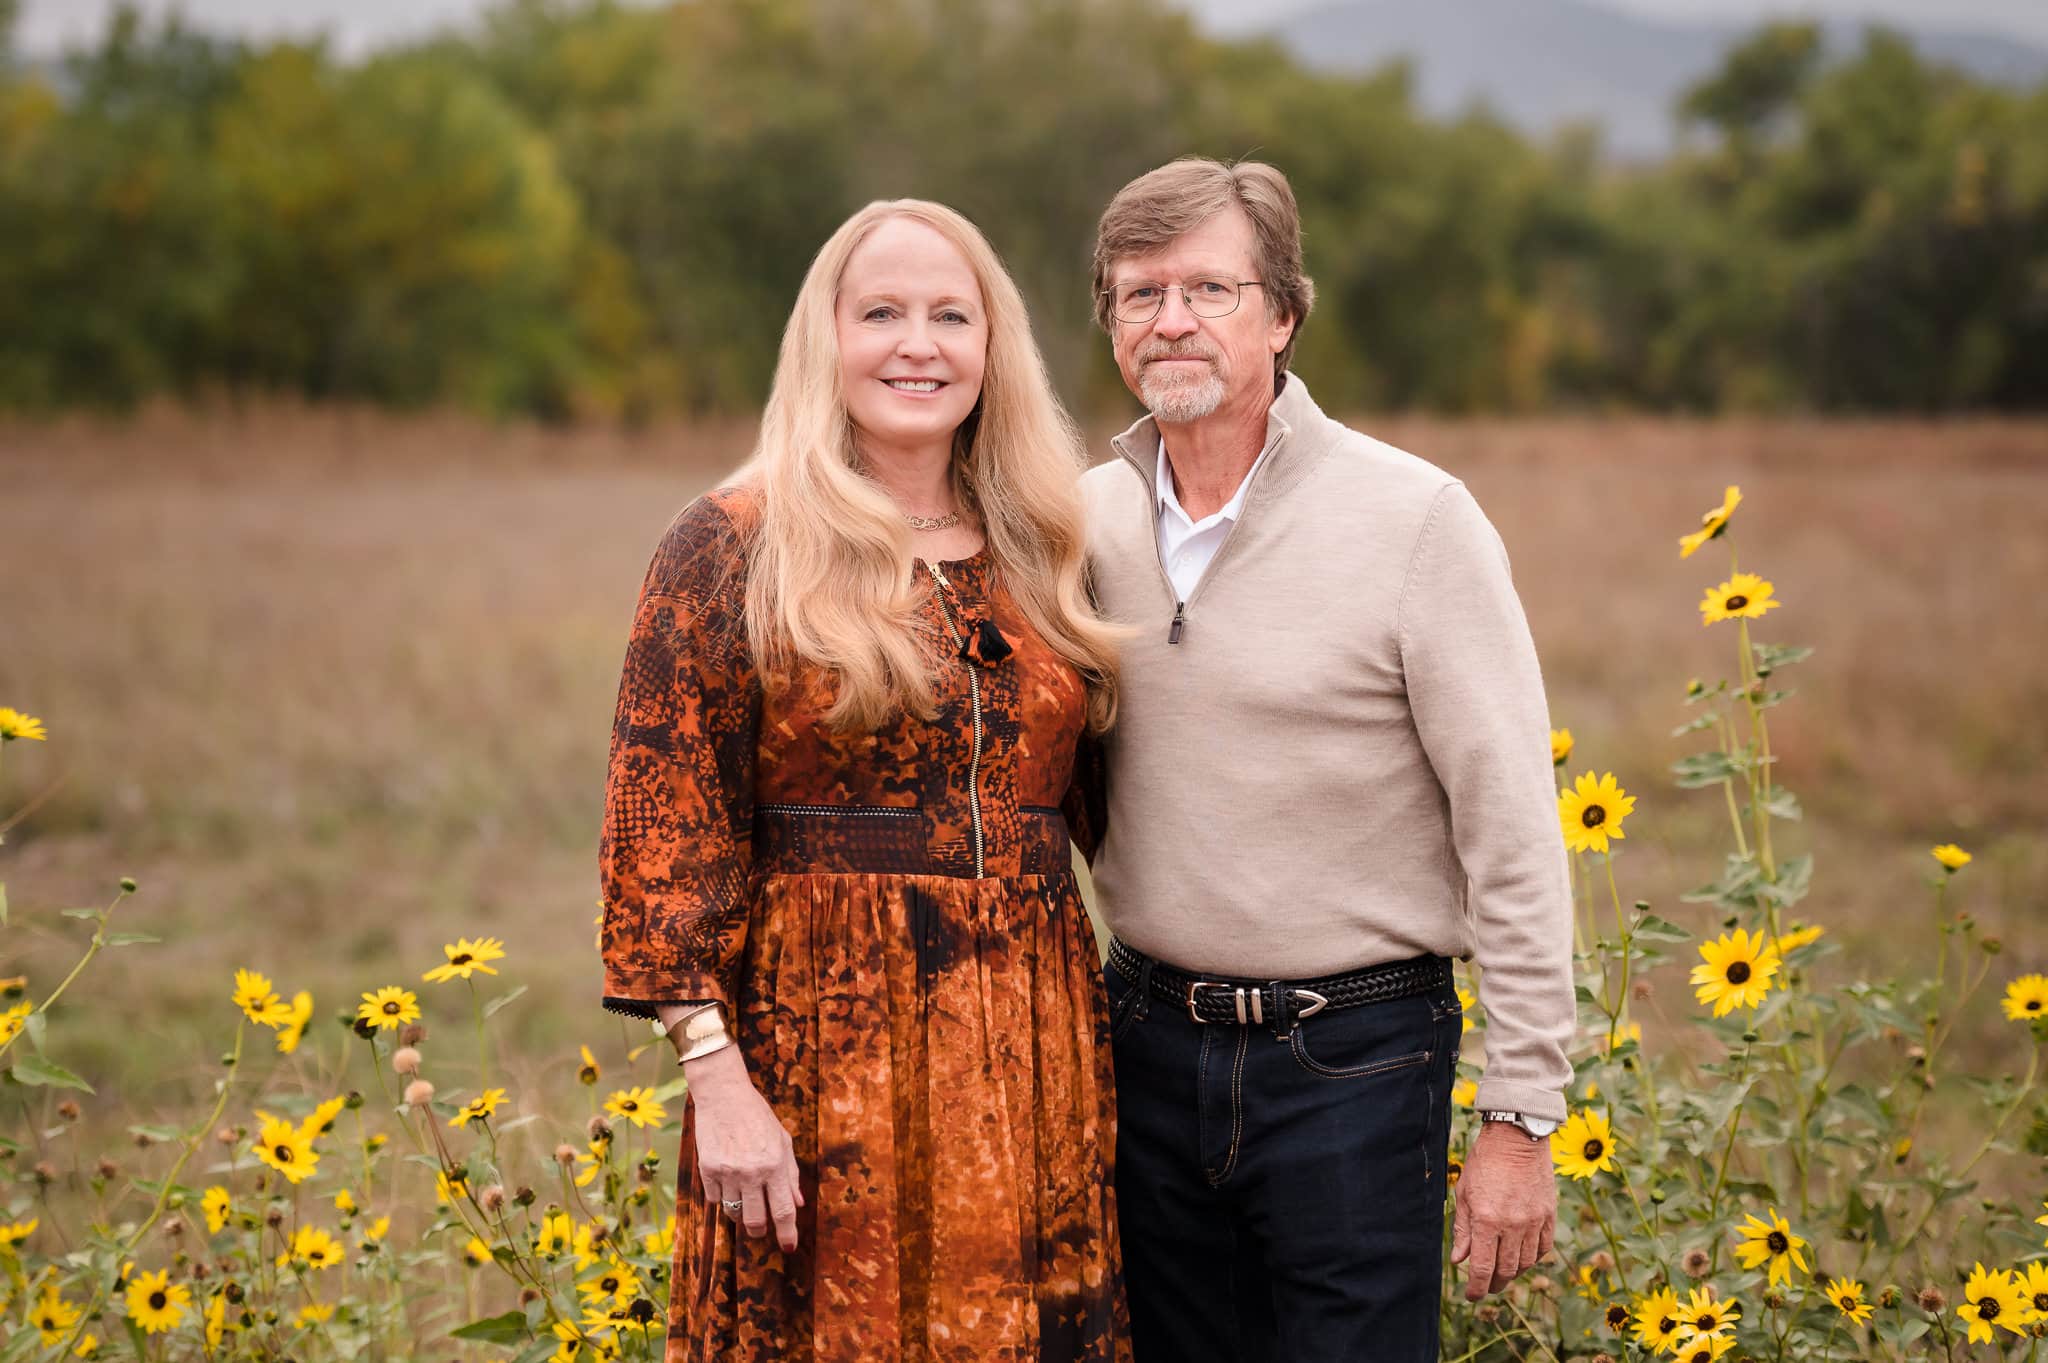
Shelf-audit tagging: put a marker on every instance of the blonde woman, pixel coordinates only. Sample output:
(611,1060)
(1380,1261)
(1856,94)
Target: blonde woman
(836,855)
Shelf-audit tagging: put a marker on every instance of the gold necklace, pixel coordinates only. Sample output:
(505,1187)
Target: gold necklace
(945,522)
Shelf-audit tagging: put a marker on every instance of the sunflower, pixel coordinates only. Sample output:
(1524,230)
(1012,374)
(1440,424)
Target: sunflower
(12,1235)
(1464,1093)
(321,1120)
(1736,971)
(317,1313)
(1560,746)
(465,957)
(378,1229)
(1744,595)
(616,1282)
(1800,935)
(1616,1317)
(89,1347)
(588,1245)
(2026,998)
(1592,811)
(156,1303)
(589,1074)
(345,1202)
(1951,857)
(569,1344)
(1706,1314)
(14,724)
(297,1014)
(1770,1242)
(1658,1320)
(314,1248)
(52,1315)
(448,1189)
(636,1105)
(285,1148)
(476,1253)
(1454,1169)
(589,1163)
(553,1237)
(2033,1285)
(1712,523)
(13,1020)
(216,1318)
(389,1008)
(258,1000)
(1704,1348)
(1847,1295)
(1583,1146)
(660,1243)
(1992,1299)
(1467,1001)
(216,1204)
(479,1108)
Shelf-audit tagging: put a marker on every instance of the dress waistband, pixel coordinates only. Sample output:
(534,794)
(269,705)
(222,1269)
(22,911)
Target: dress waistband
(828,839)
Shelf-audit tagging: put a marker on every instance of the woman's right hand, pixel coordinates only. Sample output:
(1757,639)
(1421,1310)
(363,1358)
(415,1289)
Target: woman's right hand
(743,1153)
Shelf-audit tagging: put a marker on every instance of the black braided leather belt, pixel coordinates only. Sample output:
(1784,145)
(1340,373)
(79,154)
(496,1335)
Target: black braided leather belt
(1277,1003)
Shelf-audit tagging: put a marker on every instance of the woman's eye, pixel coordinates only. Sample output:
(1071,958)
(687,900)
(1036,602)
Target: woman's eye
(876,314)
(952,316)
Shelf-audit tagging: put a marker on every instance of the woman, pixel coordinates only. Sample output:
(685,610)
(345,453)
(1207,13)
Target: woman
(835,862)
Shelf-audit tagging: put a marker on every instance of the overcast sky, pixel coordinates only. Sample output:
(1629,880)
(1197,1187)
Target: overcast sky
(359,24)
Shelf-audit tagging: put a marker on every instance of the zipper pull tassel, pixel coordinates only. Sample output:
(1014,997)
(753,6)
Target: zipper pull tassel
(1180,622)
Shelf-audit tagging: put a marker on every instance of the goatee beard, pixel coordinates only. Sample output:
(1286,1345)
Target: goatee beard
(1178,402)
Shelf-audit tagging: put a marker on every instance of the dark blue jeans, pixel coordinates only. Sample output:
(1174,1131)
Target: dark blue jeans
(1283,1201)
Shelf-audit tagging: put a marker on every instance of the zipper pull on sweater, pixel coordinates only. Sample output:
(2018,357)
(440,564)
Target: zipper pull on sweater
(1180,622)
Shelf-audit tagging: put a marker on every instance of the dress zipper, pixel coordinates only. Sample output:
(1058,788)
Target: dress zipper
(974,698)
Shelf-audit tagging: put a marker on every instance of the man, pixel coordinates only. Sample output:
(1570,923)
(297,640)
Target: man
(1330,774)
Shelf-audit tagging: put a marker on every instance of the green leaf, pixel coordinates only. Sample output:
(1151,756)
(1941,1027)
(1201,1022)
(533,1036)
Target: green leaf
(1656,929)
(1795,880)
(1705,769)
(509,1328)
(165,1134)
(1771,657)
(673,1089)
(1773,698)
(123,939)
(81,913)
(38,1027)
(1783,804)
(491,1008)
(34,1069)
(538,1351)
(1737,886)
(1694,725)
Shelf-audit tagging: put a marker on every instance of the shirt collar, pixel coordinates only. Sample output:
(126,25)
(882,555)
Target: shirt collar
(1162,482)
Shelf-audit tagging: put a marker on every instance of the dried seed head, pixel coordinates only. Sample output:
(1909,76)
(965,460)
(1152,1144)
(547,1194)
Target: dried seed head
(412,1034)
(173,1229)
(528,1295)
(1603,1358)
(599,1129)
(68,1110)
(1601,1262)
(523,1197)
(143,1140)
(234,1291)
(405,1060)
(1487,1314)
(491,1199)
(1696,1262)
(646,1173)
(226,1135)
(1641,991)
(363,1028)
(1932,1298)
(200,1271)
(565,1153)
(1541,1283)
(273,1218)
(419,1093)
(1775,1300)
(107,1168)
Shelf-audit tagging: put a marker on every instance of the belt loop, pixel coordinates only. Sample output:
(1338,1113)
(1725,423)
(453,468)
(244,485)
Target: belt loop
(1144,985)
(1283,1010)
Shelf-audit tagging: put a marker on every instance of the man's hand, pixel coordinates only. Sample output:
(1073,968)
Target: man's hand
(1507,1208)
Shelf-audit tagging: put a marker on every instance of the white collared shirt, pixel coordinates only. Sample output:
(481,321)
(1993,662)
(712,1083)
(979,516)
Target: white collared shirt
(1186,545)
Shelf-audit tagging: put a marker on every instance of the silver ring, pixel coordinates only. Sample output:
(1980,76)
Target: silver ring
(733,1208)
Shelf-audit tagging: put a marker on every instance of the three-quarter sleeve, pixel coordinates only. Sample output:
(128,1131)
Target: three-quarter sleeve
(676,850)
(1086,802)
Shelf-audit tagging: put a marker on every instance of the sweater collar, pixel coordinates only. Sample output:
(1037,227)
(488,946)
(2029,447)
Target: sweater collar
(1291,448)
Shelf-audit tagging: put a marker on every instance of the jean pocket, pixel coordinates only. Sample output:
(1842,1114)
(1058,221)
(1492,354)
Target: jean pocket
(1123,1001)
(1356,1043)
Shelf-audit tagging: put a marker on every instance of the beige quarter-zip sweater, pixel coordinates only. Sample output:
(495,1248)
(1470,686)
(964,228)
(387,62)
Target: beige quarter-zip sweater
(1336,751)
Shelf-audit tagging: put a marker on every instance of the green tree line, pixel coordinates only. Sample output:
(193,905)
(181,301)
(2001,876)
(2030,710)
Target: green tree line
(584,208)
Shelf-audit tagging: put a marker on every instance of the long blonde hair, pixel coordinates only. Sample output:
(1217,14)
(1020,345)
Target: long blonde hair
(830,581)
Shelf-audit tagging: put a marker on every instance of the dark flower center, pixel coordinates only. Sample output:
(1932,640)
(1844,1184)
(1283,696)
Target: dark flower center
(463,959)
(1776,1240)
(1665,1325)
(1738,972)
(2041,1302)
(628,1105)
(283,1153)
(608,1284)
(1617,1316)
(1706,1322)
(1737,602)
(2033,1005)
(1594,816)
(1988,1308)
(642,1310)
(391,1007)
(157,1301)
(1595,1148)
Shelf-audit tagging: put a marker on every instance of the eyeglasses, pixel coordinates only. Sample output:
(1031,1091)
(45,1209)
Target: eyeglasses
(1141,302)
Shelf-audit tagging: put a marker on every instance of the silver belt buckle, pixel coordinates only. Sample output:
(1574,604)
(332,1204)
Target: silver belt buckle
(1194,992)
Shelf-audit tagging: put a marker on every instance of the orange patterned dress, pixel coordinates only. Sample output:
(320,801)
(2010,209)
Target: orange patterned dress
(892,920)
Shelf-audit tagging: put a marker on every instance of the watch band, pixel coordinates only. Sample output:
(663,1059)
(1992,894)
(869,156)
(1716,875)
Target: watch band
(1520,1120)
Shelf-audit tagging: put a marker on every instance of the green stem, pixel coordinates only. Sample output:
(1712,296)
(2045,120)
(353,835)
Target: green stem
(99,940)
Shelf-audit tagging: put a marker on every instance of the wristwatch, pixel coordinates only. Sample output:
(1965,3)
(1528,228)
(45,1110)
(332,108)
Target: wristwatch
(1539,1128)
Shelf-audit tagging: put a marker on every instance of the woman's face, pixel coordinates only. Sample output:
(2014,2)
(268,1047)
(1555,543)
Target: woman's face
(913,338)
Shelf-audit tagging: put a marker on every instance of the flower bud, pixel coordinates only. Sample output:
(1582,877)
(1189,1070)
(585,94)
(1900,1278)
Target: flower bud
(523,1197)
(1774,1299)
(353,1101)
(1889,1296)
(1992,946)
(273,1218)
(405,1060)
(234,1292)
(363,1028)
(645,1172)
(127,884)
(107,1168)
(412,1034)
(419,1093)
(143,1140)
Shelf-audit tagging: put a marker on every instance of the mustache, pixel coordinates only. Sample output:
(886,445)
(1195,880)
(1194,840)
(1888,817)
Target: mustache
(1175,350)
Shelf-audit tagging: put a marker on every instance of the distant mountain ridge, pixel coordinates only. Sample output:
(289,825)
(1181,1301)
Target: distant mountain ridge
(1542,63)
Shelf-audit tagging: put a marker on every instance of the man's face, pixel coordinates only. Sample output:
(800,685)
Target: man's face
(1184,367)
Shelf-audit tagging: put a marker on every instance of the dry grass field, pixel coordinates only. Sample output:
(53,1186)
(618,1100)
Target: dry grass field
(336,686)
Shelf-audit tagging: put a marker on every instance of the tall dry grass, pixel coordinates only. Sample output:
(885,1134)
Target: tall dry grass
(336,685)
